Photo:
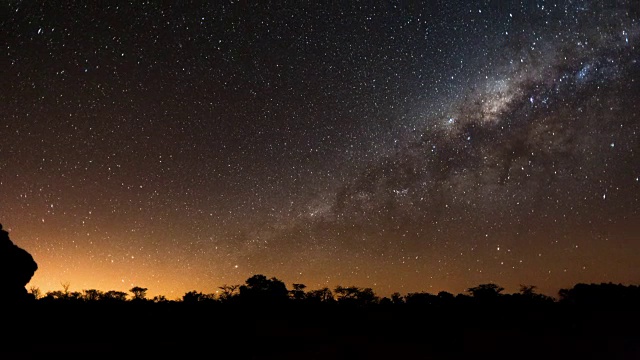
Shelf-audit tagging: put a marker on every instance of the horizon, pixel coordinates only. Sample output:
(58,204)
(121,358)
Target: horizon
(150,295)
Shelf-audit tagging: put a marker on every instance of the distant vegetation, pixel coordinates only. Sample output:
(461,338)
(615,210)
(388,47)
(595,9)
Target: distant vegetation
(259,289)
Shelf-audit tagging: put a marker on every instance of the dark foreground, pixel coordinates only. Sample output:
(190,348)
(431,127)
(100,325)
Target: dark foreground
(210,331)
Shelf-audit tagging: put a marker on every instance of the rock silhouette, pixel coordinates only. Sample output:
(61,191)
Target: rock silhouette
(17,267)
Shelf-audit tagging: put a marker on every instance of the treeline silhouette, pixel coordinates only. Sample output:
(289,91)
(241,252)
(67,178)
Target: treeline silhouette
(261,290)
(264,319)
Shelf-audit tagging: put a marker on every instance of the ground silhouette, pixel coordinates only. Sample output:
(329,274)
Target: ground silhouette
(262,319)
(259,321)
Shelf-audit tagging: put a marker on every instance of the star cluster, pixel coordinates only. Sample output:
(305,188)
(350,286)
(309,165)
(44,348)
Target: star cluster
(423,147)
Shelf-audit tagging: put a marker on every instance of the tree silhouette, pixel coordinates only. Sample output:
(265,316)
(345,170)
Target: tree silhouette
(485,291)
(259,288)
(527,290)
(55,295)
(65,289)
(228,292)
(397,298)
(297,293)
(114,296)
(35,292)
(601,295)
(421,298)
(192,297)
(528,294)
(159,299)
(323,295)
(445,297)
(355,295)
(60,295)
(92,295)
(139,293)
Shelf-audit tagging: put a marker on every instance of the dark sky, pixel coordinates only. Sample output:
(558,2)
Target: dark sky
(425,147)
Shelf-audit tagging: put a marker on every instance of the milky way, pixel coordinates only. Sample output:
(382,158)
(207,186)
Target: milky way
(404,148)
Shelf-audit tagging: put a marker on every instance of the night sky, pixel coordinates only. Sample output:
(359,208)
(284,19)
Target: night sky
(428,147)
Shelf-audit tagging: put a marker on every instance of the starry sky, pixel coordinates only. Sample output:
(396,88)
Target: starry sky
(414,147)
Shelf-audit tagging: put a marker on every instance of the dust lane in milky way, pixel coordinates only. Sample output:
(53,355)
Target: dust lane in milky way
(427,147)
